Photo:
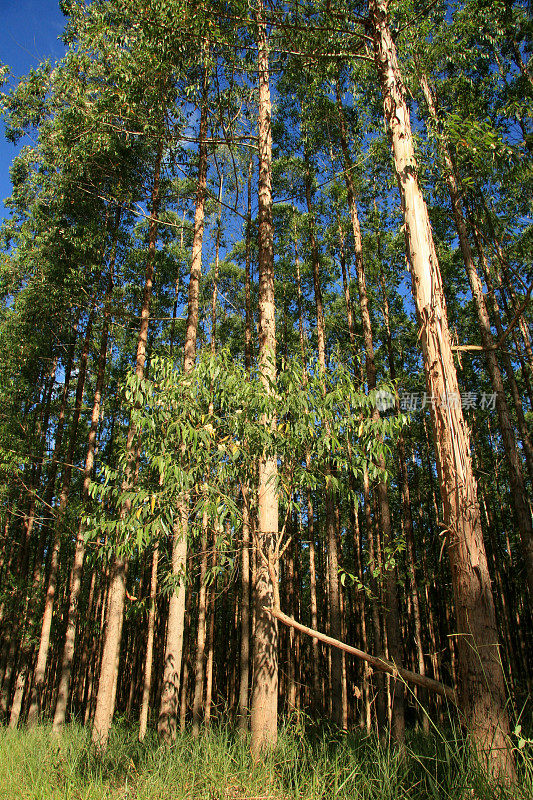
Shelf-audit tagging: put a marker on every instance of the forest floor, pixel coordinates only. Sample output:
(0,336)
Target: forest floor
(218,766)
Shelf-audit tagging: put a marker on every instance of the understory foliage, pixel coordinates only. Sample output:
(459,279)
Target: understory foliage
(203,431)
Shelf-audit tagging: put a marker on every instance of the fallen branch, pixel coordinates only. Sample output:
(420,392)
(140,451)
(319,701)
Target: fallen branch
(376,662)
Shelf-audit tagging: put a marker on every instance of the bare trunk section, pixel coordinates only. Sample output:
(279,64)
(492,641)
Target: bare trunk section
(265,641)
(105,702)
(244,672)
(148,661)
(167,723)
(210,638)
(200,635)
(244,678)
(481,684)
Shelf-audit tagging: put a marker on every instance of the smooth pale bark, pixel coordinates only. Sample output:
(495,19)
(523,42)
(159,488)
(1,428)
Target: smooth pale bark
(174,643)
(244,655)
(200,635)
(167,723)
(148,661)
(210,639)
(265,641)
(84,665)
(187,647)
(514,464)
(198,698)
(481,683)
(105,702)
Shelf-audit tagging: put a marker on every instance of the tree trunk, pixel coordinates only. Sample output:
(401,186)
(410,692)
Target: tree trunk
(148,661)
(244,679)
(79,553)
(481,685)
(200,635)
(210,639)
(265,641)
(105,702)
(167,723)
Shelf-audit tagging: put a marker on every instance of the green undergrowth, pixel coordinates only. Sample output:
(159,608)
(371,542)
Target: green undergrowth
(311,765)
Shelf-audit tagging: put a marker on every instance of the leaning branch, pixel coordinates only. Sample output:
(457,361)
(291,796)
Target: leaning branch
(378,663)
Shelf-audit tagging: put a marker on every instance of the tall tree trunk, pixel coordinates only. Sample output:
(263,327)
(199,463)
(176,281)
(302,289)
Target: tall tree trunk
(481,685)
(210,638)
(105,702)
(310,512)
(265,642)
(79,552)
(168,711)
(200,634)
(148,661)
(244,672)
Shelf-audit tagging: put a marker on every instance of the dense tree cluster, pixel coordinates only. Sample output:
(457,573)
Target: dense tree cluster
(267,369)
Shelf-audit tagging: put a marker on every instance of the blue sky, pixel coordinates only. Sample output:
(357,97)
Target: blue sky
(29,31)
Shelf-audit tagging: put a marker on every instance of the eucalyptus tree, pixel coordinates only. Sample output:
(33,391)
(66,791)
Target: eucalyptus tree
(481,686)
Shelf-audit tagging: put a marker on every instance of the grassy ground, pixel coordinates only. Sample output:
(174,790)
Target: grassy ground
(317,764)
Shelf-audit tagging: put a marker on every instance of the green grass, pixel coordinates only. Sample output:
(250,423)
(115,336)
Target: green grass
(308,765)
